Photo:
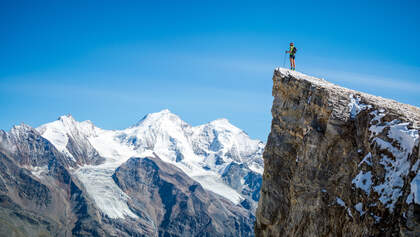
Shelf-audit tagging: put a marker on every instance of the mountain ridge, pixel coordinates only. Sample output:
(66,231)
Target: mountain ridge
(158,131)
(86,158)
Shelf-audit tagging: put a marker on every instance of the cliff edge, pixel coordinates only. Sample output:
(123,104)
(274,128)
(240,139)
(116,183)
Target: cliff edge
(338,162)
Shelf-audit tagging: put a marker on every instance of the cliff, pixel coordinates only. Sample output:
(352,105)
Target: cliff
(338,163)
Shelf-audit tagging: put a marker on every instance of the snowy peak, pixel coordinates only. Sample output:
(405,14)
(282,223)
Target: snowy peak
(70,124)
(203,152)
(224,139)
(223,125)
(67,117)
(20,129)
(121,190)
(71,138)
(67,125)
(221,128)
(164,133)
(222,122)
(163,117)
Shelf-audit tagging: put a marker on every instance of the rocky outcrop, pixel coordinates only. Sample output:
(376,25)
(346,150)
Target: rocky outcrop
(338,163)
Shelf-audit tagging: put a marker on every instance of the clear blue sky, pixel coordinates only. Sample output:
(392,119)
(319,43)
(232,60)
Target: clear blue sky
(113,62)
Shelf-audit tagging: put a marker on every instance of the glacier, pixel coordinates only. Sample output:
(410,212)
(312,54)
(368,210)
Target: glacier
(203,152)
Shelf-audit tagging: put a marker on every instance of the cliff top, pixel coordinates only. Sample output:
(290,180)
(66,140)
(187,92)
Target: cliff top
(355,101)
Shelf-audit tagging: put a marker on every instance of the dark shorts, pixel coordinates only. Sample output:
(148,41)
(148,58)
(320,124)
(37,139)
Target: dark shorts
(292,56)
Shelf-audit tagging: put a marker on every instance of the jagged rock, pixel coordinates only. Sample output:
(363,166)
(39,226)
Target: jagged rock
(338,163)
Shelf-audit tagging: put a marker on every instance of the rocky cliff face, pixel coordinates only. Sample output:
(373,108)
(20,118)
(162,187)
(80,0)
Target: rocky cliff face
(38,195)
(338,163)
(175,205)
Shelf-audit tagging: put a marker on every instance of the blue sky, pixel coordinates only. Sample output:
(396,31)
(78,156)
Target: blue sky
(113,62)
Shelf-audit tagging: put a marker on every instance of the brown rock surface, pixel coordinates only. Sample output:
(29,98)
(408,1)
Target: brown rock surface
(176,205)
(338,163)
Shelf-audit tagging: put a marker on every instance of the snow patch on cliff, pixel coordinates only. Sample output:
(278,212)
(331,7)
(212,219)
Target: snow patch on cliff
(414,190)
(355,106)
(343,204)
(340,202)
(363,181)
(38,171)
(359,208)
(375,128)
(367,159)
(400,142)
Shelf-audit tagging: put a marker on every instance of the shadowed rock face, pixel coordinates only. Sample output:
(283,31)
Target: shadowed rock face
(25,201)
(50,203)
(29,148)
(176,205)
(338,163)
(236,175)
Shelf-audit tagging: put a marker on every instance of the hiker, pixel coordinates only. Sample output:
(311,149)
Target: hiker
(292,51)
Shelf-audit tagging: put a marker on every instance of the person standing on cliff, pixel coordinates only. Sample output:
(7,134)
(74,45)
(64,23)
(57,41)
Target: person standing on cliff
(292,51)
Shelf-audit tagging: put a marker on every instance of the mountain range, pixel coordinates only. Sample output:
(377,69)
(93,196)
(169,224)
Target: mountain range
(159,177)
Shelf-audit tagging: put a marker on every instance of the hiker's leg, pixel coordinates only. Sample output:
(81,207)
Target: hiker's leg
(291,62)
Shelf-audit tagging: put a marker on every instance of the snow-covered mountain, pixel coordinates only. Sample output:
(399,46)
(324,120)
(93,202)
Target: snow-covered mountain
(206,153)
(160,177)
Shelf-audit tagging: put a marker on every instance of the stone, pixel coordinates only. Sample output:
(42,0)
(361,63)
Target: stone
(338,162)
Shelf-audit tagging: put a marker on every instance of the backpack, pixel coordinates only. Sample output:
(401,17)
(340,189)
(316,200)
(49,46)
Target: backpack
(294,50)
